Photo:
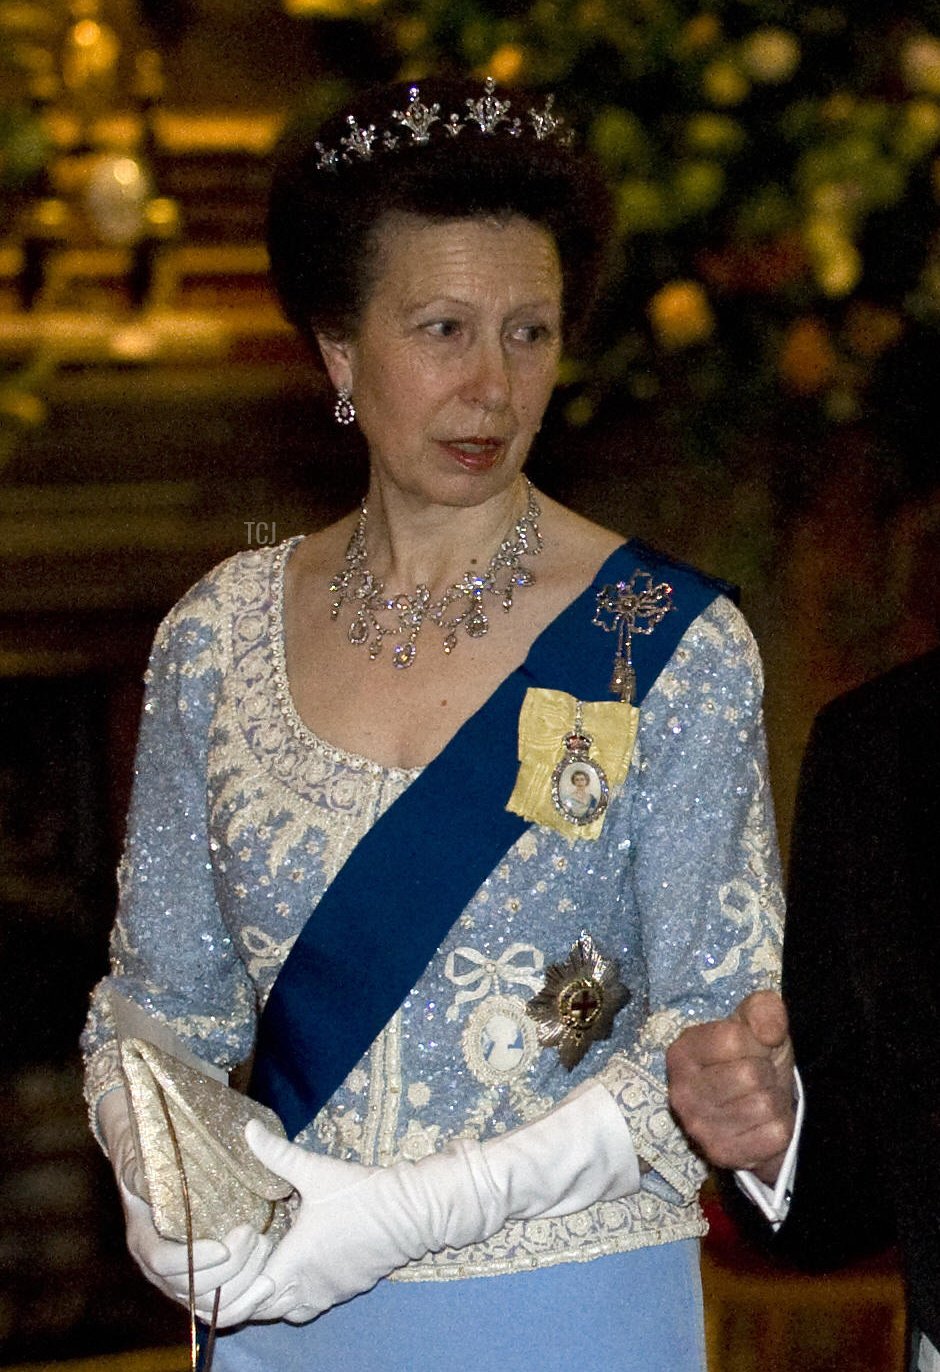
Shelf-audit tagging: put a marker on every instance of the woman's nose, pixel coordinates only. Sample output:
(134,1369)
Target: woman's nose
(487,384)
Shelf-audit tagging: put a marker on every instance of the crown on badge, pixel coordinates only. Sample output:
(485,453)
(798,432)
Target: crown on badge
(412,126)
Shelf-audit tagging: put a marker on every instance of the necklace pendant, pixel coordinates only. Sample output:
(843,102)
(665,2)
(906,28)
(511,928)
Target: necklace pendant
(404,654)
(358,630)
(579,784)
(477,623)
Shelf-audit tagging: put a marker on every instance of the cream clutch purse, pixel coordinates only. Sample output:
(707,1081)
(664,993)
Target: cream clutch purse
(201,1177)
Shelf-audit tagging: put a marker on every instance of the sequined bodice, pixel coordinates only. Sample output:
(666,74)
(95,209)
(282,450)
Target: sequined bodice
(242,816)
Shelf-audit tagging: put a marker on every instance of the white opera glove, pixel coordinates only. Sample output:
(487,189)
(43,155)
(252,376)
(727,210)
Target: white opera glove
(355,1225)
(233,1265)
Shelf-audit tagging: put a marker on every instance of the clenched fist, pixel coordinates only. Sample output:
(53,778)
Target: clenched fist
(731,1086)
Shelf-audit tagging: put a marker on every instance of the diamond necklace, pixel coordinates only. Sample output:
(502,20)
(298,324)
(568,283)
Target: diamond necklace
(377,615)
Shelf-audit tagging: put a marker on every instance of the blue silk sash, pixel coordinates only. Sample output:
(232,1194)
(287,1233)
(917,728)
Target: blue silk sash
(385,914)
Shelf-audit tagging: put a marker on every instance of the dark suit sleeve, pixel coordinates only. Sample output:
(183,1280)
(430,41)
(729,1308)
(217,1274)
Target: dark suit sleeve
(840,1207)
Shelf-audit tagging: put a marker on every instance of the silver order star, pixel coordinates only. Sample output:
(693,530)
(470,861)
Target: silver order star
(577,1005)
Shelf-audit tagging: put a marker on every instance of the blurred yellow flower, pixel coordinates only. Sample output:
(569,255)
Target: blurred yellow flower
(618,138)
(724,83)
(923,116)
(699,185)
(411,33)
(838,107)
(680,315)
(641,207)
(920,64)
(840,271)
(824,232)
(714,134)
(770,55)
(836,262)
(506,63)
(322,9)
(700,32)
(579,411)
(919,130)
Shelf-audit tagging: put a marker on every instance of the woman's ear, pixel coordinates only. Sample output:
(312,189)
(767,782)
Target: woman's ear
(337,358)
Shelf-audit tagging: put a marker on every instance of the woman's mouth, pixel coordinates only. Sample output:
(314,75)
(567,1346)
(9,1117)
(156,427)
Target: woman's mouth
(475,453)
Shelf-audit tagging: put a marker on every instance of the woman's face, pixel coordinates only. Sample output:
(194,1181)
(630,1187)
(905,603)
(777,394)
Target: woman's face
(456,354)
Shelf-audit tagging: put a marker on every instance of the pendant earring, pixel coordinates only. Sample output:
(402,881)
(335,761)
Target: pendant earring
(344,410)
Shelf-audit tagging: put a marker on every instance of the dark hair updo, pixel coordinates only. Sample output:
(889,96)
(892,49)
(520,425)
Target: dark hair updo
(323,220)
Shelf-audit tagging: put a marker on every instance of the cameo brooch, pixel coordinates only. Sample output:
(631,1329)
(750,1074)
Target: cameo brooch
(577,1005)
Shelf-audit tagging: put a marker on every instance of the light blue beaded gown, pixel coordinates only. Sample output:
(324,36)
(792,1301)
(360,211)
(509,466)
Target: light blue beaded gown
(240,819)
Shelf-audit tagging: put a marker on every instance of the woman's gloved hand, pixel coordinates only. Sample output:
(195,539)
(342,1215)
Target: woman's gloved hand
(355,1225)
(234,1264)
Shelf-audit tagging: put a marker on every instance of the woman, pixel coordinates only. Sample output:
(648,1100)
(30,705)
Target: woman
(473,1023)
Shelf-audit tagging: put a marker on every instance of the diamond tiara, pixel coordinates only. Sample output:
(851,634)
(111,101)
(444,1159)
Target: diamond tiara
(488,113)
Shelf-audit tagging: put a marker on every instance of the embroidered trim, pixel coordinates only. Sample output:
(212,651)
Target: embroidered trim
(282,691)
(522,1246)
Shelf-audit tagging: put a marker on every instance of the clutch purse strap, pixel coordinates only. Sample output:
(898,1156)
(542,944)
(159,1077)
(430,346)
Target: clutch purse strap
(190,1266)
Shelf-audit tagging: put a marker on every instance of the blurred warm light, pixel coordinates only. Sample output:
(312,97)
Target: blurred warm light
(125,171)
(50,216)
(23,408)
(923,116)
(89,55)
(700,32)
(839,272)
(763,267)
(724,83)
(871,329)
(506,63)
(641,207)
(920,64)
(116,195)
(836,261)
(770,55)
(411,32)
(807,361)
(716,134)
(86,33)
(618,137)
(839,107)
(680,315)
(699,185)
(162,216)
(920,130)
(328,9)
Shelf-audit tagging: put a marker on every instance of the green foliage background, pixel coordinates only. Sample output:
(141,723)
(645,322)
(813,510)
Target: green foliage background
(776,170)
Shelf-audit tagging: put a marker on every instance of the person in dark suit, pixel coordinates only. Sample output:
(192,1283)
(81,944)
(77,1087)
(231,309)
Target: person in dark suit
(861,983)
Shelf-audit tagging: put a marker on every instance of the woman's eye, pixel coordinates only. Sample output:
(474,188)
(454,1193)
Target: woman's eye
(532,333)
(443,328)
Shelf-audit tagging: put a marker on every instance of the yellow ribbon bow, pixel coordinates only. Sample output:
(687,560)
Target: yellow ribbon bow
(544,721)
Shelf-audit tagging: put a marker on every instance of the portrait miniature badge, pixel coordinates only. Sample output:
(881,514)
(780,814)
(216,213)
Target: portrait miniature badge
(579,783)
(573,758)
(577,1005)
